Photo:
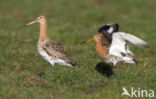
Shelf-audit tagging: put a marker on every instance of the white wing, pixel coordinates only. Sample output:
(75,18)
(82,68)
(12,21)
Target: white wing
(118,45)
(133,39)
(120,42)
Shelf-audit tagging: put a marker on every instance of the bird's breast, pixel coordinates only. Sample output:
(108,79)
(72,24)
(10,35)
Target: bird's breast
(102,51)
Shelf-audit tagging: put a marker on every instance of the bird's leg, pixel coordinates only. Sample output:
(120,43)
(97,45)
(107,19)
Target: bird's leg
(53,65)
(49,67)
(115,68)
(54,68)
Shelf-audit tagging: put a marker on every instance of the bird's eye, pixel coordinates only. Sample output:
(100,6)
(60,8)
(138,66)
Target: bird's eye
(39,18)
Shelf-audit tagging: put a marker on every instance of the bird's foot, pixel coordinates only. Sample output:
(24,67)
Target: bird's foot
(49,67)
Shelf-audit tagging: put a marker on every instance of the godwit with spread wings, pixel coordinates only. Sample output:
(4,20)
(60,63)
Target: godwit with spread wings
(112,46)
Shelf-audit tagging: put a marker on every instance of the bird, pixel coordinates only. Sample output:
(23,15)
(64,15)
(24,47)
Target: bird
(50,50)
(116,49)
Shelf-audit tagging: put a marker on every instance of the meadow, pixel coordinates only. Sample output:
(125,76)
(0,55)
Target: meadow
(24,73)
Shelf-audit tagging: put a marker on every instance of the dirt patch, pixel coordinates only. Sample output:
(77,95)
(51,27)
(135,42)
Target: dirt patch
(36,81)
(93,89)
(10,97)
(101,2)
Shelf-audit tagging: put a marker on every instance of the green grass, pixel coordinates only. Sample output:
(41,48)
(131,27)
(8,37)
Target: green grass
(24,73)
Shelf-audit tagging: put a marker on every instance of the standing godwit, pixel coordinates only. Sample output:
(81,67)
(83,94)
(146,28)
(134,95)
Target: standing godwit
(117,50)
(50,50)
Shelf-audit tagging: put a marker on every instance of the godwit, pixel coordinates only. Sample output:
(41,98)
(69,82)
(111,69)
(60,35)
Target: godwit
(116,49)
(50,50)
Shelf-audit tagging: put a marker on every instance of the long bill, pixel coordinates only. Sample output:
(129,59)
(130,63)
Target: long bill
(88,40)
(28,24)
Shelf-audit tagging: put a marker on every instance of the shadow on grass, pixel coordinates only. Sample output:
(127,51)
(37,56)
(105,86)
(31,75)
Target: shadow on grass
(41,74)
(104,69)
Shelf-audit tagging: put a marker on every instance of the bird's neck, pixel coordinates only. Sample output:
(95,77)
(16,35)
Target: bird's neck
(99,43)
(43,30)
(101,49)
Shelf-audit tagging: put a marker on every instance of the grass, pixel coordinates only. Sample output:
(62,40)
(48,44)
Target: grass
(24,74)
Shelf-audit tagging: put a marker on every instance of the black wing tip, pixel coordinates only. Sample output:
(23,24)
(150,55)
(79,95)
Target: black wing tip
(136,62)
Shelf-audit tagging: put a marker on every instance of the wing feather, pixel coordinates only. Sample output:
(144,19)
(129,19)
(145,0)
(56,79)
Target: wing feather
(119,45)
(56,50)
(133,39)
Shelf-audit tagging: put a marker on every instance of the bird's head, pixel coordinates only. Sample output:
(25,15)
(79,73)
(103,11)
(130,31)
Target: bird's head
(41,19)
(96,38)
(109,28)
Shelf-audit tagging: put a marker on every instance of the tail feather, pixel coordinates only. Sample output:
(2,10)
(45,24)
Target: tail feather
(72,63)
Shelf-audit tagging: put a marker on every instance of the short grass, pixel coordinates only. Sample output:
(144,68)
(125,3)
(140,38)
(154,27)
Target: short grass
(24,73)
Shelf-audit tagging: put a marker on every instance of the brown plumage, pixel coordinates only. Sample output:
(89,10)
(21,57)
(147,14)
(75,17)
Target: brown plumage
(56,51)
(101,49)
(50,50)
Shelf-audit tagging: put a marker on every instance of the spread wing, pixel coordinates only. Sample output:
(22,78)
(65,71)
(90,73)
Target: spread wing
(133,39)
(56,50)
(120,40)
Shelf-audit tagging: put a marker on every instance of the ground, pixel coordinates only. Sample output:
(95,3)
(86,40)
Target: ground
(24,73)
